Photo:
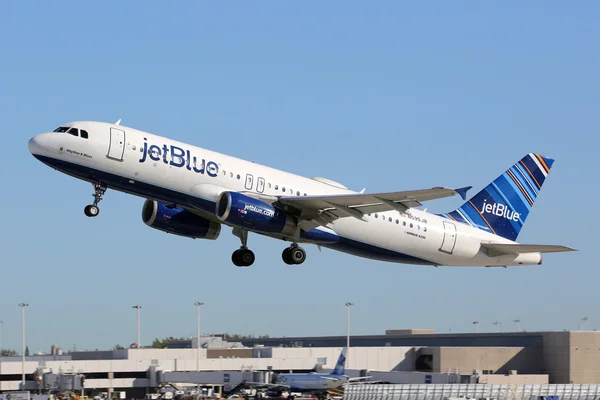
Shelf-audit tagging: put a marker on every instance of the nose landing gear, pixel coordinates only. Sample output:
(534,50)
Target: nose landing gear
(93,210)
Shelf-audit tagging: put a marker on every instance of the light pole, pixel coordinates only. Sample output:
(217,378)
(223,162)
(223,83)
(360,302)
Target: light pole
(198,304)
(348,305)
(476,323)
(583,324)
(1,325)
(497,323)
(518,322)
(23,305)
(139,308)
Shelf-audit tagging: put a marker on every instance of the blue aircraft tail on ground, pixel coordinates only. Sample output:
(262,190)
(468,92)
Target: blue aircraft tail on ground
(341,363)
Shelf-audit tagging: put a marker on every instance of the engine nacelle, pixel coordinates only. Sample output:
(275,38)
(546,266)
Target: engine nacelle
(178,221)
(253,214)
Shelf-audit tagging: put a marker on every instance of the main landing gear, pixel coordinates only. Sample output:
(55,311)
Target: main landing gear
(293,255)
(92,210)
(243,257)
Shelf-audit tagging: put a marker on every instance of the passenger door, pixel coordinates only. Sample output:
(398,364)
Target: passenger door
(449,239)
(116,144)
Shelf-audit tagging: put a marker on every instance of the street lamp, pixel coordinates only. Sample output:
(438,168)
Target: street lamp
(23,305)
(348,305)
(518,322)
(497,323)
(476,323)
(198,304)
(583,324)
(139,308)
(1,325)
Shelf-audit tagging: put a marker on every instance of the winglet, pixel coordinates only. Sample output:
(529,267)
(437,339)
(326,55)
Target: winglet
(362,191)
(118,122)
(463,191)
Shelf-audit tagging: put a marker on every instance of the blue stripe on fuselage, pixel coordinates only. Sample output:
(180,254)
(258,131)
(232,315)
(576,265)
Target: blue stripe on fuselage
(147,190)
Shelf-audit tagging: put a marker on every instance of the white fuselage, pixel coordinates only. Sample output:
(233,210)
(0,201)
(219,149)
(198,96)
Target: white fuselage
(310,382)
(165,170)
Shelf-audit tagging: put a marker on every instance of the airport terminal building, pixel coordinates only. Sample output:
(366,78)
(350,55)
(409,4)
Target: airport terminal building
(397,357)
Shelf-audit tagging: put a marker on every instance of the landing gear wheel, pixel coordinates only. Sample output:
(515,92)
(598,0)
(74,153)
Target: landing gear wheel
(91,210)
(243,258)
(235,258)
(293,255)
(298,255)
(286,255)
(246,257)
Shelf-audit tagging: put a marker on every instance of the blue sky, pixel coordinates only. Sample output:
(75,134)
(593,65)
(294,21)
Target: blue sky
(389,96)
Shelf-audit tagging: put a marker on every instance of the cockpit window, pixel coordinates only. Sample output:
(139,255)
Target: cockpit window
(84,134)
(73,131)
(62,129)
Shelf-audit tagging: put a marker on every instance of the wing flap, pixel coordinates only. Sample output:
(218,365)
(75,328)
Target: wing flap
(515,248)
(356,205)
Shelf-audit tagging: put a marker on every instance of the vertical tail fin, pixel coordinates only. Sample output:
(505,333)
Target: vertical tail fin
(502,207)
(341,362)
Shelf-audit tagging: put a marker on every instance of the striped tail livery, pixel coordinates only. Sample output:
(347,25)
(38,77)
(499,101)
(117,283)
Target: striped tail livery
(502,207)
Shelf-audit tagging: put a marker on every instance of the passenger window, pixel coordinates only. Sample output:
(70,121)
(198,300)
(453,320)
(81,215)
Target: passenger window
(84,134)
(73,131)
(283,189)
(390,219)
(305,194)
(376,215)
(276,187)
(297,193)
(397,222)
(238,176)
(404,223)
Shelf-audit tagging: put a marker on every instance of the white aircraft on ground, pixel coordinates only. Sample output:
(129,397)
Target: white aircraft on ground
(316,383)
(192,191)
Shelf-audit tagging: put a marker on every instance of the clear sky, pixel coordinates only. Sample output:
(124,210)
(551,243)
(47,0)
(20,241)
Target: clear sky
(388,96)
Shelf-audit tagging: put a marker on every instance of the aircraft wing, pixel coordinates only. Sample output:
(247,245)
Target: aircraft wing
(514,248)
(358,379)
(326,209)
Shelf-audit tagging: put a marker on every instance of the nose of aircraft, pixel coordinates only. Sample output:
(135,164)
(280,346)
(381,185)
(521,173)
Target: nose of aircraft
(36,144)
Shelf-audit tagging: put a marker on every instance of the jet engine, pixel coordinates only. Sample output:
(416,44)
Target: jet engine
(178,221)
(253,214)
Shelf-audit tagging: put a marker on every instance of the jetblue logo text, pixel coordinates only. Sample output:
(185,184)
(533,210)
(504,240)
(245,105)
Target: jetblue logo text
(500,210)
(258,210)
(178,157)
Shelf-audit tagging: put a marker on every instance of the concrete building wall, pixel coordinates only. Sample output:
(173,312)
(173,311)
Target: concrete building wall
(499,360)
(373,358)
(584,357)
(556,356)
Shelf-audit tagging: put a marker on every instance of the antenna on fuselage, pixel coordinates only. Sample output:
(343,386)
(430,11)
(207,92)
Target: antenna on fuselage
(118,122)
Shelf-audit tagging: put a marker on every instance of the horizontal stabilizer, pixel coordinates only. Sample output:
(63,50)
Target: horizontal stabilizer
(513,248)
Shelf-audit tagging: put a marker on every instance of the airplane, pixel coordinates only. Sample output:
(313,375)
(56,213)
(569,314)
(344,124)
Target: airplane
(192,192)
(316,383)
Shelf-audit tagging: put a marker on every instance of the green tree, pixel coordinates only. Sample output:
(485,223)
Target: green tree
(118,347)
(163,343)
(26,351)
(8,353)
